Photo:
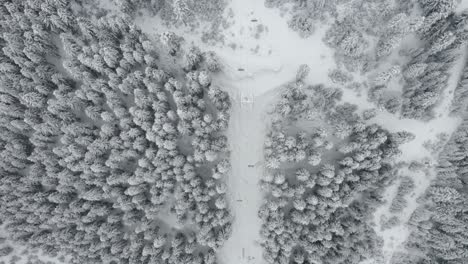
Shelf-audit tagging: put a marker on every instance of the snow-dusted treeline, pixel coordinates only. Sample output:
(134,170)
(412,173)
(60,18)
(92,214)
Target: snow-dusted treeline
(105,156)
(326,169)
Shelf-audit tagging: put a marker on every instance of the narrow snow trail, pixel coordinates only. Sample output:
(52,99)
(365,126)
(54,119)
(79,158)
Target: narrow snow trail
(247,131)
(246,137)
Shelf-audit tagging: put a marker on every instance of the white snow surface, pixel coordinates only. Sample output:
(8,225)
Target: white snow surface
(248,128)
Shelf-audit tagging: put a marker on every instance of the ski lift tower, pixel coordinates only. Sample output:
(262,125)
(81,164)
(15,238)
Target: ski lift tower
(247,100)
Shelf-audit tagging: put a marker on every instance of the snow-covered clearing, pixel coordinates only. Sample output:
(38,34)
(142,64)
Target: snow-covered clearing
(248,128)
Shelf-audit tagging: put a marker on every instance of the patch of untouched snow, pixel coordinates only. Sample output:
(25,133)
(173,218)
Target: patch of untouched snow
(462,6)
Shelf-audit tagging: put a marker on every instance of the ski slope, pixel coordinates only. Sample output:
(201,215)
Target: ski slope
(248,128)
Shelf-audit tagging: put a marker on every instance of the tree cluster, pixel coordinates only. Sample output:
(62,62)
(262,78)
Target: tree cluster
(306,15)
(460,96)
(350,45)
(183,12)
(440,224)
(399,202)
(92,139)
(389,222)
(426,75)
(397,28)
(367,31)
(339,76)
(320,198)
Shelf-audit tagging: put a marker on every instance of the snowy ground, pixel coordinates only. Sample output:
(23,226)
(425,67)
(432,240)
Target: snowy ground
(246,135)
